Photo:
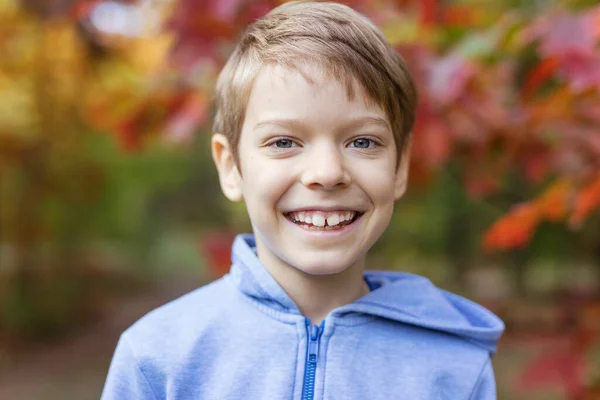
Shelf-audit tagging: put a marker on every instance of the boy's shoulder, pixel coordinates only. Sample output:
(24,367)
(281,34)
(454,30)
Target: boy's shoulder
(184,317)
(414,301)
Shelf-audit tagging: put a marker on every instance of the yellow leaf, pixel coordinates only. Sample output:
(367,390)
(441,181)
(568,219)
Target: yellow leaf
(402,31)
(148,55)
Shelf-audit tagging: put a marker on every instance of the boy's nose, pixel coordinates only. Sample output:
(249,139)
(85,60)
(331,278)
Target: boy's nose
(325,169)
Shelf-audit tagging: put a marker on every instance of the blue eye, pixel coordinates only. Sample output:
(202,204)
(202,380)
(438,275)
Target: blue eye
(362,143)
(284,144)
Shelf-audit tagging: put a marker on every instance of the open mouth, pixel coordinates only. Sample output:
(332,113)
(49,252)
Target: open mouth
(324,221)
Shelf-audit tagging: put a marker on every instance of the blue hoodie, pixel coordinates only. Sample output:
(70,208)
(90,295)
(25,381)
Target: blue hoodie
(242,337)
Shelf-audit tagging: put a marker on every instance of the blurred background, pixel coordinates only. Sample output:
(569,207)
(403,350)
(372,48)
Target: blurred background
(109,203)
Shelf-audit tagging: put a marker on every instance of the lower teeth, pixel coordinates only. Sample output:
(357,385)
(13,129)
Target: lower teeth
(324,228)
(313,227)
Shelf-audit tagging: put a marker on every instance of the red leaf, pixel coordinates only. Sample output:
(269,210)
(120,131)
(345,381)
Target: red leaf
(432,139)
(536,165)
(429,11)
(203,28)
(540,74)
(563,368)
(217,249)
(480,185)
(128,138)
(82,9)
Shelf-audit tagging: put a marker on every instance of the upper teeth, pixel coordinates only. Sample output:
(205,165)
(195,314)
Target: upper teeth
(318,218)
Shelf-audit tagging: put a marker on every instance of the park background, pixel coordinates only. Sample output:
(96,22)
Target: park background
(109,202)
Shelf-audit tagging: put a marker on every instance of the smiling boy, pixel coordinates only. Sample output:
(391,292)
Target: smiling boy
(312,132)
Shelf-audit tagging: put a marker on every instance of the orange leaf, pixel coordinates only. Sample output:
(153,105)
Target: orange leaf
(460,15)
(586,201)
(514,230)
(552,204)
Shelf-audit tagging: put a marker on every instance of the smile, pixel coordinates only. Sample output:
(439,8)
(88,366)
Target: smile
(322,220)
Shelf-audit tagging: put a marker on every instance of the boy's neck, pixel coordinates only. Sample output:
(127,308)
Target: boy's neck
(317,295)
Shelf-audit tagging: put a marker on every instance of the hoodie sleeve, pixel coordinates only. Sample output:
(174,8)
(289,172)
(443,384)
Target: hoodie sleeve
(125,379)
(485,387)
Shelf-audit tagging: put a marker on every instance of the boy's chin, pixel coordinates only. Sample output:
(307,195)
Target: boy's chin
(322,266)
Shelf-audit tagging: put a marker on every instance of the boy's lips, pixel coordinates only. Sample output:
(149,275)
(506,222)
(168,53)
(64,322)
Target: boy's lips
(326,232)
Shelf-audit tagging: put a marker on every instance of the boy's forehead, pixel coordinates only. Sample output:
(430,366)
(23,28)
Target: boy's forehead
(275,83)
(312,73)
(274,78)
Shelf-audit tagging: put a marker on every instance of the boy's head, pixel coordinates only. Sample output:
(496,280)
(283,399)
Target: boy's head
(344,44)
(313,117)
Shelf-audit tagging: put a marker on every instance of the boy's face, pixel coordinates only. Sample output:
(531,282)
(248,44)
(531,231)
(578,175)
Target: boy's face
(308,153)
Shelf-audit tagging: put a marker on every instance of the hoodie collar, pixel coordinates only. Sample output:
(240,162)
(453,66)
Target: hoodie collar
(396,296)
(253,279)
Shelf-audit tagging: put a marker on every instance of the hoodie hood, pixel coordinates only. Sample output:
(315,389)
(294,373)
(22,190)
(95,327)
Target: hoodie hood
(397,296)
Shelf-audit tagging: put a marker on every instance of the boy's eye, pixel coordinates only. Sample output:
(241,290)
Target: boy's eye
(283,143)
(362,143)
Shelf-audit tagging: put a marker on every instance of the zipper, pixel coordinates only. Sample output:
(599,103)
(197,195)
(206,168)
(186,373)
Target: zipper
(312,356)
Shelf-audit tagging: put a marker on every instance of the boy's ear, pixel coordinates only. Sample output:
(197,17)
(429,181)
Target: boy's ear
(402,171)
(229,175)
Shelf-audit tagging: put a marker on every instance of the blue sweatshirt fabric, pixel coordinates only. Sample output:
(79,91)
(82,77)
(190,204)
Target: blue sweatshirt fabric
(242,337)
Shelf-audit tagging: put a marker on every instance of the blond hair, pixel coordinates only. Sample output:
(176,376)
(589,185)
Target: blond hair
(343,43)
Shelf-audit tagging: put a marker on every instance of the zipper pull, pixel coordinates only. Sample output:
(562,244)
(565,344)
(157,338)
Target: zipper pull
(313,347)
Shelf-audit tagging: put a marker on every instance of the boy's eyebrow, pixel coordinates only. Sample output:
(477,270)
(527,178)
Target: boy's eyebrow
(295,124)
(292,124)
(362,121)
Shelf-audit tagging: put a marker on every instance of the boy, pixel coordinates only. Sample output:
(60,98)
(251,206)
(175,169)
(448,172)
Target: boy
(314,112)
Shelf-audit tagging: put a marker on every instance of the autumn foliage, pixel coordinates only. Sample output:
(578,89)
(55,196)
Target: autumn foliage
(519,95)
(507,94)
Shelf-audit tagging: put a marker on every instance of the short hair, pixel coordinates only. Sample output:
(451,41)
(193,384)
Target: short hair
(342,42)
